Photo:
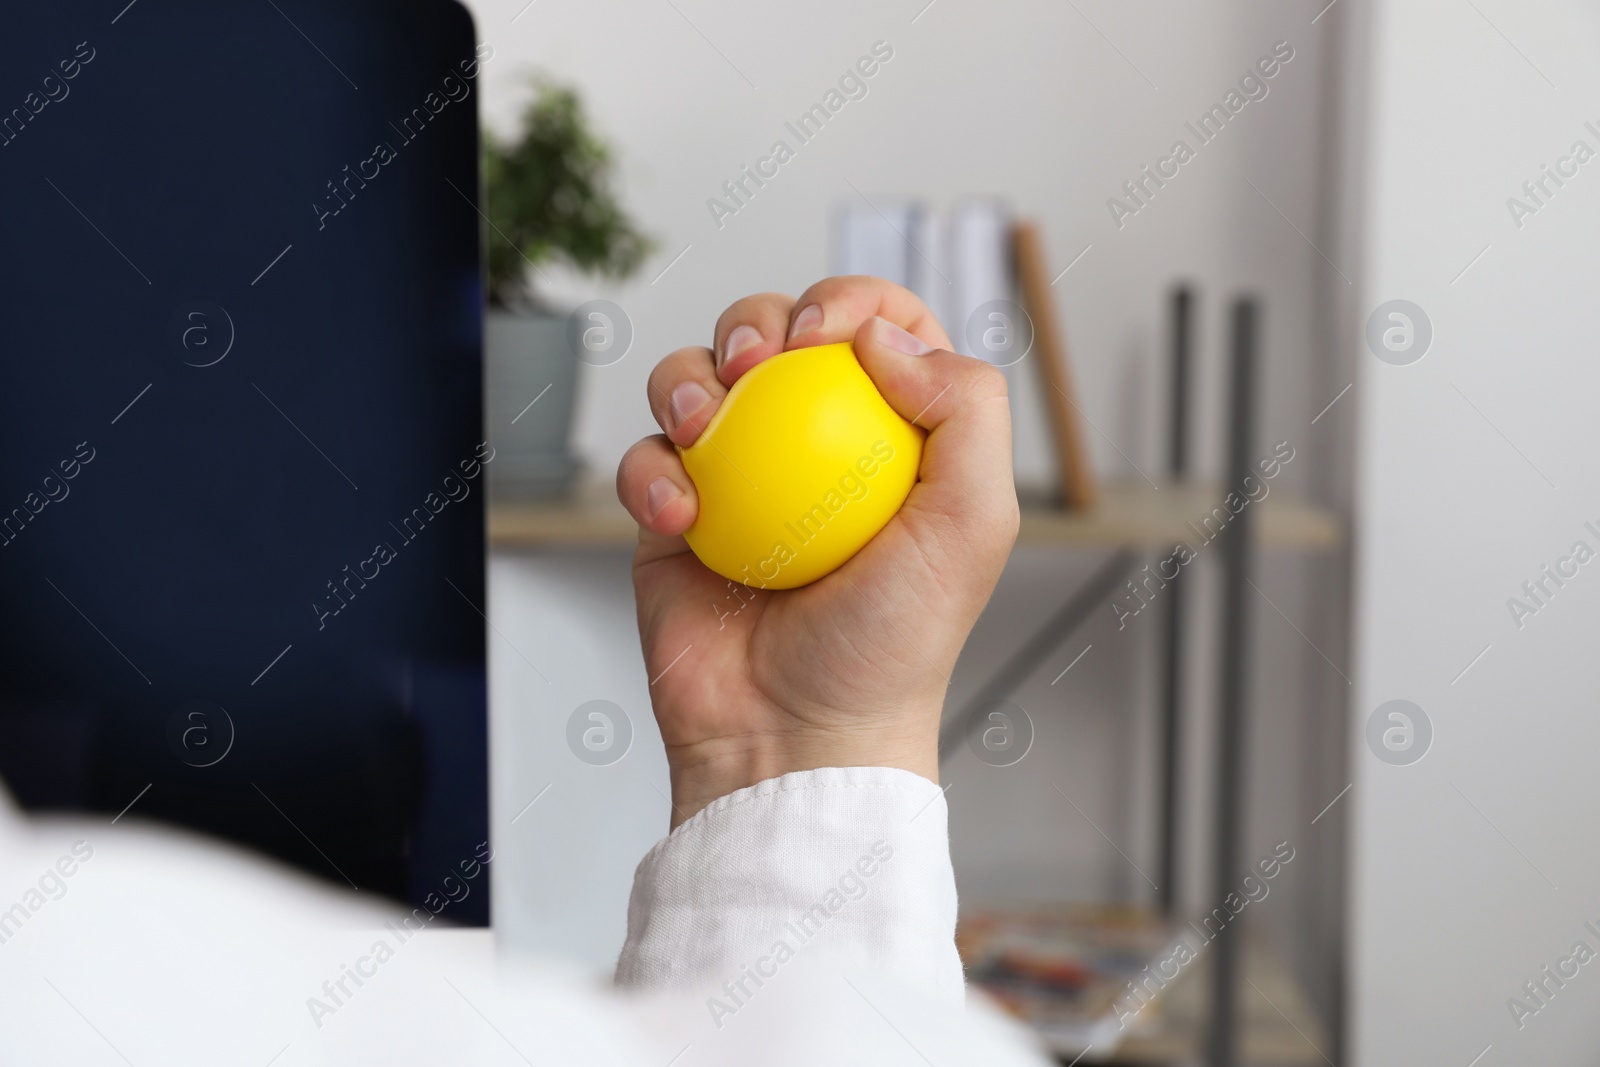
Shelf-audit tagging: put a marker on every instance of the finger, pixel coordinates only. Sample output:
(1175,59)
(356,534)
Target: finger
(834,309)
(750,331)
(657,491)
(685,393)
(965,484)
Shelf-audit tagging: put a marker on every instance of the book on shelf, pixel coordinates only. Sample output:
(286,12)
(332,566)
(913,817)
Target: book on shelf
(1072,973)
(982,274)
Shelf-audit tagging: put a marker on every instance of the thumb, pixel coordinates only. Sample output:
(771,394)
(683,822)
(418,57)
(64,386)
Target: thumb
(966,488)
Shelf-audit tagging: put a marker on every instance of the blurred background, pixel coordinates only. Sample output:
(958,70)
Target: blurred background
(1370,260)
(1036,112)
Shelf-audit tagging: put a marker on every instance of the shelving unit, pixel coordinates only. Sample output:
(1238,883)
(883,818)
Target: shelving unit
(1130,524)
(1277,1024)
(1135,516)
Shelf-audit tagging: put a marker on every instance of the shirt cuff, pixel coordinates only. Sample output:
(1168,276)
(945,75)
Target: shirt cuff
(848,862)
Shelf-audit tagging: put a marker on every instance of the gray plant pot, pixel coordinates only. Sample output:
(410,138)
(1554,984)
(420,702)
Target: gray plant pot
(527,361)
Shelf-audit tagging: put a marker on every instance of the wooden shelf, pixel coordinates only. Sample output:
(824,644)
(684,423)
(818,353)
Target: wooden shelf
(1138,515)
(1135,515)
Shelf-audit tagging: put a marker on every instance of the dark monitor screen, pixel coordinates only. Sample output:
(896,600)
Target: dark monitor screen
(241,454)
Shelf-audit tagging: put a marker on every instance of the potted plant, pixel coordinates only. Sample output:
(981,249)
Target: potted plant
(549,200)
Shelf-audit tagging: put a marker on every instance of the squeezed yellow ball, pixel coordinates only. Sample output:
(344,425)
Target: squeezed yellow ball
(800,467)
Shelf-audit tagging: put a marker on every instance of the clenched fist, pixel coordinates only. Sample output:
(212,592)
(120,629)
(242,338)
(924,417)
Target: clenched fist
(852,669)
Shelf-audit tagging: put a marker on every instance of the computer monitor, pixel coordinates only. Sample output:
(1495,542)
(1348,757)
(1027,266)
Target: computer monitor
(242,465)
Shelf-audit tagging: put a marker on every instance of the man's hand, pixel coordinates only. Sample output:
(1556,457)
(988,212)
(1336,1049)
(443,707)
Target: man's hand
(852,669)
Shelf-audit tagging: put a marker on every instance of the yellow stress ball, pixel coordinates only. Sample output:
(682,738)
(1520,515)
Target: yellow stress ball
(800,467)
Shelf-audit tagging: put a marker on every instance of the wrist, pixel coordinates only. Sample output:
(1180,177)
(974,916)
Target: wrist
(706,770)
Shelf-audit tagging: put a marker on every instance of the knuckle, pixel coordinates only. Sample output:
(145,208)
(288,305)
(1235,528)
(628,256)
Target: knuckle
(846,285)
(638,453)
(680,358)
(751,308)
(658,372)
(755,300)
(664,375)
(988,381)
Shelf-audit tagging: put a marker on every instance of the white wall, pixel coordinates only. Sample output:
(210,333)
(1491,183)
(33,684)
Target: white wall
(1476,866)
(1054,110)
(564,635)
(1023,100)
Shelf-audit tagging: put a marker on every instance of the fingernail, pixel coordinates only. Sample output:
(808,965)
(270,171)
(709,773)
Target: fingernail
(662,492)
(687,398)
(810,318)
(889,335)
(740,339)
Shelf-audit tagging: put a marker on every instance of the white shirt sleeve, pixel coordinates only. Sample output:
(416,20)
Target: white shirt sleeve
(850,863)
(137,941)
